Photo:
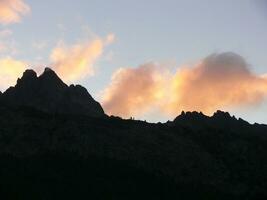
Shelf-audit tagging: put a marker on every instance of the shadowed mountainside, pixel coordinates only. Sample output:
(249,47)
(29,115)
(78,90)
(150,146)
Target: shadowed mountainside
(66,153)
(49,93)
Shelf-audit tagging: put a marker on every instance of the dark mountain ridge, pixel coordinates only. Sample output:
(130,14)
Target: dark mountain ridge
(48,154)
(50,94)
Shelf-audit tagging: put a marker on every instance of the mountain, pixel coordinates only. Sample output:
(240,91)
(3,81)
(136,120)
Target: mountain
(51,154)
(50,94)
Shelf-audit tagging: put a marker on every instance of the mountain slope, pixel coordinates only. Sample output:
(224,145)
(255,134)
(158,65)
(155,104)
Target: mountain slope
(50,94)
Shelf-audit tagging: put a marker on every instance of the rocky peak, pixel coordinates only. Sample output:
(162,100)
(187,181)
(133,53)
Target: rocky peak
(221,115)
(190,116)
(50,78)
(198,118)
(29,74)
(50,94)
(48,72)
(28,77)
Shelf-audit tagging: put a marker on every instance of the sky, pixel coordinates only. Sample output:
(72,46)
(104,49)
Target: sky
(147,59)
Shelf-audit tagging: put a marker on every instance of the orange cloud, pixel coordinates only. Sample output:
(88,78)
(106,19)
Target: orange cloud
(220,81)
(77,61)
(11,11)
(133,91)
(10,70)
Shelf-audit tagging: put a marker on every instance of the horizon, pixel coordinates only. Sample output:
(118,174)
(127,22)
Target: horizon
(157,55)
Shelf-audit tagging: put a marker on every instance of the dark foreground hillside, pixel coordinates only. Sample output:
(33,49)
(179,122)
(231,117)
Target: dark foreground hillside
(49,156)
(57,143)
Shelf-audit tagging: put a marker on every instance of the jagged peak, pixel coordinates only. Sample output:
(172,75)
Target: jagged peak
(28,76)
(48,72)
(190,115)
(218,115)
(221,114)
(48,69)
(49,93)
(29,73)
(50,77)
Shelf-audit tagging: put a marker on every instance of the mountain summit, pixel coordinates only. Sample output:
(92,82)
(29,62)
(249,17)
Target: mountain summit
(48,93)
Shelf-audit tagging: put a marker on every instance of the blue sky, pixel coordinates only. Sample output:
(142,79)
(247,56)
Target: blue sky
(171,32)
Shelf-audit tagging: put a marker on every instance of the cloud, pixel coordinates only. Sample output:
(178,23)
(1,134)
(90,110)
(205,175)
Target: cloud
(71,62)
(11,11)
(10,70)
(133,90)
(77,61)
(220,81)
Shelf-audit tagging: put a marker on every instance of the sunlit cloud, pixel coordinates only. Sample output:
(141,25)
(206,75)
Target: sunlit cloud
(220,81)
(10,70)
(134,91)
(71,62)
(11,11)
(74,62)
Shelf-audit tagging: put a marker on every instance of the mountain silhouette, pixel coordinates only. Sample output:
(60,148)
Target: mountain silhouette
(57,143)
(50,94)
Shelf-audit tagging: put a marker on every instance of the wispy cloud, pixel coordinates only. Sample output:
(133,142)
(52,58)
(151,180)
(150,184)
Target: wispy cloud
(11,11)
(219,81)
(73,62)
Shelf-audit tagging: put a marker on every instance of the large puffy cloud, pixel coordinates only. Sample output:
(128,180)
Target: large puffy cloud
(11,11)
(10,70)
(77,61)
(134,90)
(220,81)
